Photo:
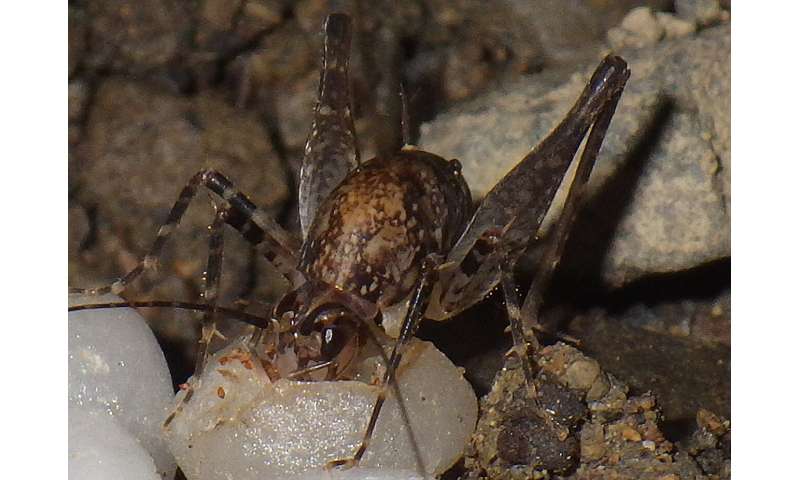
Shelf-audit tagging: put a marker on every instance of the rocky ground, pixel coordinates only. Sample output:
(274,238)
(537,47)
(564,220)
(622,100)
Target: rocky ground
(160,89)
(587,425)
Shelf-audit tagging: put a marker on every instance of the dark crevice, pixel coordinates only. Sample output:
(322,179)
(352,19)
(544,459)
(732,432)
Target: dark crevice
(479,329)
(706,281)
(474,339)
(678,429)
(179,367)
(91,237)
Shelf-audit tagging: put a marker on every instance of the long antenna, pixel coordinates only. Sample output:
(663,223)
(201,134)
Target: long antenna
(248,318)
(405,119)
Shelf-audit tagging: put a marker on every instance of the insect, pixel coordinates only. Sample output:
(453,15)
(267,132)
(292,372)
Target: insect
(393,239)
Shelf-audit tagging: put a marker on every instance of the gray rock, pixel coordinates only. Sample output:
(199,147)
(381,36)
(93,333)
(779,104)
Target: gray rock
(707,320)
(224,27)
(78,229)
(643,27)
(77,101)
(457,49)
(702,12)
(283,73)
(661,186)
(231,24)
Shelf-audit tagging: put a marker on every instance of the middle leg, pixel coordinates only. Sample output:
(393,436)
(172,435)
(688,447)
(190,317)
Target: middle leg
(419,302)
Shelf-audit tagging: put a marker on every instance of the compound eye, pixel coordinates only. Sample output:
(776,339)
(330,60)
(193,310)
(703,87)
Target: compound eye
(334,339)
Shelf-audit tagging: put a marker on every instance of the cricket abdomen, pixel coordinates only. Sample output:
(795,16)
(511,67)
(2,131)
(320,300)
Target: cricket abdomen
(372,232)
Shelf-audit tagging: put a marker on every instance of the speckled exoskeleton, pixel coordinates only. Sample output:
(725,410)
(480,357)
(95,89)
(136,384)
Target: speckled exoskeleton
(396,238)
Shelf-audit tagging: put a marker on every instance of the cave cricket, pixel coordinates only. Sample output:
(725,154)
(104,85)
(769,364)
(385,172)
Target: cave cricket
(390,240)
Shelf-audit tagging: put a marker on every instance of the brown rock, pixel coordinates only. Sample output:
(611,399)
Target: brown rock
(140,149)
(137,35)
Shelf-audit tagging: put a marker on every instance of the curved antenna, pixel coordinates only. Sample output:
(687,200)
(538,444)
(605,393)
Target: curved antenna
(250,319)
(405,116)
(372,333)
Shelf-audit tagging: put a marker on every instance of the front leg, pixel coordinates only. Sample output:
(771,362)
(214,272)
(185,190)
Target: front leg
(419,302)
(255,224)
(210,291)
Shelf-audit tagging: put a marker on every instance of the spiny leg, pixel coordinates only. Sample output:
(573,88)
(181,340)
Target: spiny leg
(577,190)
(525,320)
(216,243)
(525,347)
(210,294)
(518,203)
(419,302)
(512,212)
(281,242)
(525,342)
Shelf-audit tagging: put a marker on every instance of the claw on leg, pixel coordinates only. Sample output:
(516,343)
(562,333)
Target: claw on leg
(343,464)
(525,344)
(179,408)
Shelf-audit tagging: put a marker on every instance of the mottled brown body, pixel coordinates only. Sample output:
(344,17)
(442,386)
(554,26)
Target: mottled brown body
(370,235)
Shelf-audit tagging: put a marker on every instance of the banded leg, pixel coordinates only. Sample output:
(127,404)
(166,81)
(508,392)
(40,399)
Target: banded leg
(526,319)
(419,302)
(266,246)
(525,342)
(512,212)
(577,190)
(216,245)
(210,294)
(275,238)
